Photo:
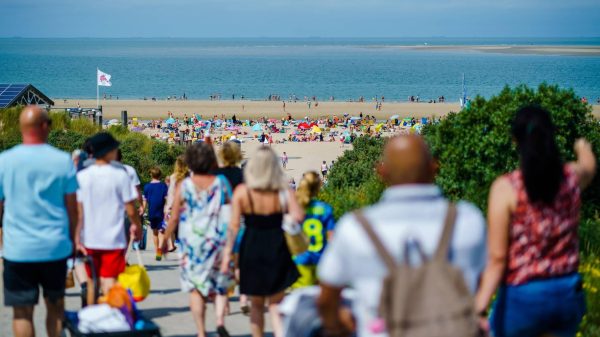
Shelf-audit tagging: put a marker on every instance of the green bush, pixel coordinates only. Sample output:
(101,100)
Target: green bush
(352,183)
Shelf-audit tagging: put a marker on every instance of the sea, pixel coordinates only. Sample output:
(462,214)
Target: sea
(256,68)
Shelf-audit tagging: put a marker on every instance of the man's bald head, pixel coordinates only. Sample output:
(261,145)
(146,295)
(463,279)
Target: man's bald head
(407,160)
(35,124)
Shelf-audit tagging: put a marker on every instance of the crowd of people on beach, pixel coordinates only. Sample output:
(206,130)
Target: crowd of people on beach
(248,228)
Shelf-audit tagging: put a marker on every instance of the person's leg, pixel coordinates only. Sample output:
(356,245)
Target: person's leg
(155,240)
(274,312)
(54,317)
(21,291)
(53,285)
(106,283)
(257,316)
(23,321)
(198,309)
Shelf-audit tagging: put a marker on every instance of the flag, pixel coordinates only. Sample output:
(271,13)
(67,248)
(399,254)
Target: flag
(103,79)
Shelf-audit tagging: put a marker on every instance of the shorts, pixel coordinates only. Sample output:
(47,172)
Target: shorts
(308,277)
(324,173)
(107,263)
(158,224)
(553,306)
(22,281)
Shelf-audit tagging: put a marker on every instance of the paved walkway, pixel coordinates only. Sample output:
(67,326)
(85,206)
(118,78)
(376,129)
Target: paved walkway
(167,306)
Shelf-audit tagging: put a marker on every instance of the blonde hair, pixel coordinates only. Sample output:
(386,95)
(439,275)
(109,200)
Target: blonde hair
(264,171)
(181,170)
(308,188)
(230,154)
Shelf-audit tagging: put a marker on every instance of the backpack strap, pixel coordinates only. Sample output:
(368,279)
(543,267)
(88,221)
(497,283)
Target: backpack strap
(383,253)
(441,253)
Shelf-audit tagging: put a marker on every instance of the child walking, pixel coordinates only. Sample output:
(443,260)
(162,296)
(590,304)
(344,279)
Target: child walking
(155,197)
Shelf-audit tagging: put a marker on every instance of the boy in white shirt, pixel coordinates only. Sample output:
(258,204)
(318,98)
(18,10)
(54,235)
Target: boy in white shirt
(105,194)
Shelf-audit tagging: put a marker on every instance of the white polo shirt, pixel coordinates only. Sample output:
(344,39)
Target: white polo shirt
(404,213)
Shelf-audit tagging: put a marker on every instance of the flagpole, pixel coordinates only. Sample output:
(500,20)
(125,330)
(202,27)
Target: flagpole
(97,91)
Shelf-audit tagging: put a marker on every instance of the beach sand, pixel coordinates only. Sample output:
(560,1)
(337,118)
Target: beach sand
(508,49)
(255,109)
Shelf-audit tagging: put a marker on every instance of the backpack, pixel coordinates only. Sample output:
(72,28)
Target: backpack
(431,300)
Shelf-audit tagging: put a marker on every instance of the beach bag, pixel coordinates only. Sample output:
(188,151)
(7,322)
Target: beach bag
(295,238)
(136,279)
(431,300)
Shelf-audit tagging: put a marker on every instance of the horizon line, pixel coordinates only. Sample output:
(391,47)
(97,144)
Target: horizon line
(303,37)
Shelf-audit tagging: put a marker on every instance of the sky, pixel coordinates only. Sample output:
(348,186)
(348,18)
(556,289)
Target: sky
(299,18)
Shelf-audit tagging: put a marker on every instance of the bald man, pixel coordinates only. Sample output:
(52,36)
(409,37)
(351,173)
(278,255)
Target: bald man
(412,208)
(37,195)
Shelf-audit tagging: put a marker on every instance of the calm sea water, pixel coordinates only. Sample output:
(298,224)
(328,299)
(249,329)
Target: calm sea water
(256,68)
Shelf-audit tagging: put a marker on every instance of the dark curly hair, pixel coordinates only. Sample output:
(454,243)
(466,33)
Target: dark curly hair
(200,158)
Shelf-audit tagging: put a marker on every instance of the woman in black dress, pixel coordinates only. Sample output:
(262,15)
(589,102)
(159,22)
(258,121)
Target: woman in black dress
(266,266)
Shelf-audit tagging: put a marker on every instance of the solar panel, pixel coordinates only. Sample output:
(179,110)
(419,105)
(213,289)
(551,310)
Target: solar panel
(8,93)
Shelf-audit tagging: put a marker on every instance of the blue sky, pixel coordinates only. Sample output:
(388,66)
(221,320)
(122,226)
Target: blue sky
(299,18)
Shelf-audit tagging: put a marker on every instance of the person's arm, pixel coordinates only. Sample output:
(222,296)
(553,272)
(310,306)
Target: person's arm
(294,208)
(174,219)
(336,322)
(140,200)
(71,206)
(78,245)
(585,165)
(501,199)
(234,226)
(135,231)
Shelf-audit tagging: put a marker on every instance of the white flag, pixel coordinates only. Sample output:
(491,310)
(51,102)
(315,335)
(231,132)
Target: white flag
(103,79)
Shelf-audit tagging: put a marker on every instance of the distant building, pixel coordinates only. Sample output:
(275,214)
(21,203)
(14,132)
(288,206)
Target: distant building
(22,94)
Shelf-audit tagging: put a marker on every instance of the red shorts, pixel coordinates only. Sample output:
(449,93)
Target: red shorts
(107,263)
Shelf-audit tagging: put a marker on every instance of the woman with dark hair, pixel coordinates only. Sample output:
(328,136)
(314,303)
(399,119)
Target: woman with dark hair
(533,216)
(197,209)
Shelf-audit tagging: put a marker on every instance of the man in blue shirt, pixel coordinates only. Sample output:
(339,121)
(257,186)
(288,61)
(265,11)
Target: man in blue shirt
(37,197)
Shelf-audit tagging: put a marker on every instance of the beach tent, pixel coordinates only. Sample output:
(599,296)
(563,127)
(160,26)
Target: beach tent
(394,117)
(170,121)
(424,120)
(316,129)
(257,127)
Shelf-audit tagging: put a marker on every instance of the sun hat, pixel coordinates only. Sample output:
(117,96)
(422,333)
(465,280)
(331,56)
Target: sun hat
(102,143)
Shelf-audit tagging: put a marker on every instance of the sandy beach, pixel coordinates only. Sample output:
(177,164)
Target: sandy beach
(508,49)
(255,109)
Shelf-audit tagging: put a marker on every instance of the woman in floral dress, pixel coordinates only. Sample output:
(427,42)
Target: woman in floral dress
(200,210)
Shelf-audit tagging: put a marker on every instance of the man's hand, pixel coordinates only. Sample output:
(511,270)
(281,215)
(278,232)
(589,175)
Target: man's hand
(80,248)
(135,232)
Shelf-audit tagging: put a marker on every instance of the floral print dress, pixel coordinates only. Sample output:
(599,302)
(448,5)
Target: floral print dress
(202,235)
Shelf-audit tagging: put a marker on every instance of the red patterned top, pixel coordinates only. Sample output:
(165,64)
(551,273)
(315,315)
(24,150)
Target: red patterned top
(543,238)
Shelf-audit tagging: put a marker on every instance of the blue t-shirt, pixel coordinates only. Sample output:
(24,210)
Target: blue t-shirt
(156,195)
(317,222)
(34,180)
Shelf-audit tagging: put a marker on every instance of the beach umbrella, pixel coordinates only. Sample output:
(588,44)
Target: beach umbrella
(355,118)
(303,126)
(316,129)
(394,117)
(257,127)
(273,120)
(170,121)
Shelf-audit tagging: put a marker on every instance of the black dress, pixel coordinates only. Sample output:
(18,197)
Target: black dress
(266,265)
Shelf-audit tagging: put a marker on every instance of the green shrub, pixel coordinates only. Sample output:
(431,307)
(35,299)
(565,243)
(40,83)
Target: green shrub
(351,183)
(66,140)
(474,147)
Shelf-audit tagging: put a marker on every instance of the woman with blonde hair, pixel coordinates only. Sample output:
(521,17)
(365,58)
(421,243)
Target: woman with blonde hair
(318,226)
(180,172)
(266,265)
